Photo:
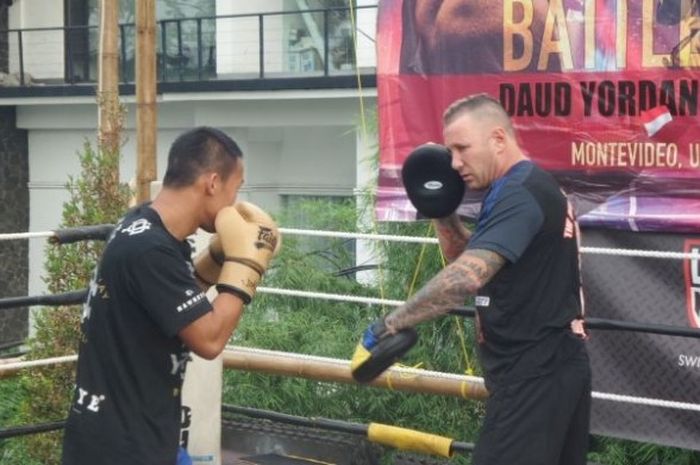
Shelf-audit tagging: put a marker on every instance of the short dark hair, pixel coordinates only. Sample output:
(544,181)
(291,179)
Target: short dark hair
(483,105)
(199,150)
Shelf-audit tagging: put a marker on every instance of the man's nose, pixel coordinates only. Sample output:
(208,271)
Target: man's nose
(456,161)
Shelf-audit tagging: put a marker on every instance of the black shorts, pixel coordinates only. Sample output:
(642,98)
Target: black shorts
(539,421)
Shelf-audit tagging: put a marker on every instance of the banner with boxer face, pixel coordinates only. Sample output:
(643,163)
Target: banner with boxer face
(603,93)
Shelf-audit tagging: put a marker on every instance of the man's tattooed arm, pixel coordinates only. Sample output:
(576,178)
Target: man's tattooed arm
(452,235)
(448,289)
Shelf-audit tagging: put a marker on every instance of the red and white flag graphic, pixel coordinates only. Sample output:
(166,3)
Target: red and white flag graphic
(654,119)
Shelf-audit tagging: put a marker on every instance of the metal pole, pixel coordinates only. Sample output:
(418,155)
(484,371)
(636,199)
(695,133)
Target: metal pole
(326,50)
(21,57)
(261,38)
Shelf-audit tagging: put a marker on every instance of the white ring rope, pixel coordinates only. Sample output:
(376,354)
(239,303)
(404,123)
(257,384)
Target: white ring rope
(326,296)
(351,235)
(38,363)
(27,235)
(418,240)
(640,253)
(647,401)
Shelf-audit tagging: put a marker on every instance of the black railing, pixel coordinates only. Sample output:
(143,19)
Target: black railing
(203,48)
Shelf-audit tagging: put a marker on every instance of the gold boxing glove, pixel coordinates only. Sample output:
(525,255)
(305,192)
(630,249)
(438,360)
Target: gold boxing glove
(249,239)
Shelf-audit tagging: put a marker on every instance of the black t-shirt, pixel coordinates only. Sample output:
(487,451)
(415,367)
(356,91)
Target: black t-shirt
(524,312)
(126,406)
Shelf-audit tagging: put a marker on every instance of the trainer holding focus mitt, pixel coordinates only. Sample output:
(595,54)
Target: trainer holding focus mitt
(521,264)
(146,309)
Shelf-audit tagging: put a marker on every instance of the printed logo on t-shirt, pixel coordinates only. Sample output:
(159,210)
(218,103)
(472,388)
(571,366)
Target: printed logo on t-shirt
(179,363)
(191,301)
(137,227)
(190,267)
(114,232)
(570,222)
(89,401)
(96,290)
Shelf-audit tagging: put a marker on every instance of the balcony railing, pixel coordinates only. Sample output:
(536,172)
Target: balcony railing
(269,45)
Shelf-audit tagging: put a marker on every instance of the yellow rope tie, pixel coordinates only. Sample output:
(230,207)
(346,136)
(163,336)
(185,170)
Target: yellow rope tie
(467,360)
(460,332)
(463,390)
(357,68)
(412,286)
(402,375)
(363,125)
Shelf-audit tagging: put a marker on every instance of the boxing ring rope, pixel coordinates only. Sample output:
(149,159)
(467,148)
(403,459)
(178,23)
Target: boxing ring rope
(77,297)
(469,312)
(100,232)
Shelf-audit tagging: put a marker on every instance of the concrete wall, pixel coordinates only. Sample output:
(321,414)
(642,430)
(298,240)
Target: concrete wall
(14,197)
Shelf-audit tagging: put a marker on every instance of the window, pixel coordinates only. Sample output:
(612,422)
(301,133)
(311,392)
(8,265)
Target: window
(307,35)
(185,39)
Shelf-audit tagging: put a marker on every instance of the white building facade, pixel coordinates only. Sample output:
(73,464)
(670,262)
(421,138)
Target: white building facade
(293,104)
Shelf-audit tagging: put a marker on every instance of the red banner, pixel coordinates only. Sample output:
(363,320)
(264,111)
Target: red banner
(603,93)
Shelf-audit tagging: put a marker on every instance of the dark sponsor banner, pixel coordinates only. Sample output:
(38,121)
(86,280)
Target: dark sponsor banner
(652,370)
(604,94)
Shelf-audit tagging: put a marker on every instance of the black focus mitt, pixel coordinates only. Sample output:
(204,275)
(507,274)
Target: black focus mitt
(434,188)
(378,350)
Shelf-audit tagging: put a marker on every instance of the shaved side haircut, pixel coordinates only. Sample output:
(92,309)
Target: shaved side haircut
(197,151)
(483,107)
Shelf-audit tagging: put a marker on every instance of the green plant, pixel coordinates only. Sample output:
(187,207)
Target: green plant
(96,197)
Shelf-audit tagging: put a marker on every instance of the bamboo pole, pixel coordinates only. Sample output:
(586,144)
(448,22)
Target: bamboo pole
(109,116)
(146,110)
(333,370)
(318,369)
(14,366)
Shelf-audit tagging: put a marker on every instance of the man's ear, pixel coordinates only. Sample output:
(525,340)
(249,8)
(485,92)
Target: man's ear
(211,182)
(498,139)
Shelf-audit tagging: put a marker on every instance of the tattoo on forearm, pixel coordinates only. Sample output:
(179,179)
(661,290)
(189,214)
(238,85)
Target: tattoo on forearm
(448,289)
(452,235)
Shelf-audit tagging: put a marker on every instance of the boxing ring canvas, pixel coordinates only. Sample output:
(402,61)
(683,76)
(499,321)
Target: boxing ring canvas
(603,94)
